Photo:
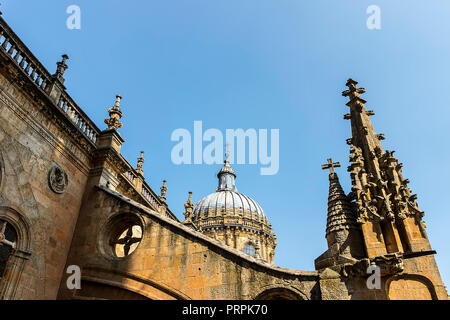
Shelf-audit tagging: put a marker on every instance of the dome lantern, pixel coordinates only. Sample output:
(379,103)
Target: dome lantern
(227,177)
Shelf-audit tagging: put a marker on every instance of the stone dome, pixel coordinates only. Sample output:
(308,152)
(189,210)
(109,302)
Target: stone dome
(228,200)
(234,218)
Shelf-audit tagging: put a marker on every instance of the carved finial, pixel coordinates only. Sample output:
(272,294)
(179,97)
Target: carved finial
(117,103)
(163,191)
(114,115)
(188,206)
(352,89)
(331,165)
(61,68)
(140,163)
(351,83)
(227,154)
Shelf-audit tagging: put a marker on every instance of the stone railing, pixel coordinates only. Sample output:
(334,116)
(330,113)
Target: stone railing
(18,52)
(78,117)
(149,194)
(145,191)
(15,49)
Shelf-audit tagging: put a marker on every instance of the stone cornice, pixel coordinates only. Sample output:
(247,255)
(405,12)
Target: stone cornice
(234,221)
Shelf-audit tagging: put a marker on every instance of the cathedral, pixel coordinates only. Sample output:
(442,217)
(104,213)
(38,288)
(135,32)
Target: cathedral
(78,221)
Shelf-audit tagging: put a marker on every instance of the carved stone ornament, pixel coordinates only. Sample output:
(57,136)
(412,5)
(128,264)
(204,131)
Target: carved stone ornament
(58,179)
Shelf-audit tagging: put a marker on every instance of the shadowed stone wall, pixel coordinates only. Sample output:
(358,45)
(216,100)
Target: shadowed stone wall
(172,261)
(31,144)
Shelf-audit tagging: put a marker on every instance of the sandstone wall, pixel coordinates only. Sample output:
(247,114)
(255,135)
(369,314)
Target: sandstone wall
(30,145)
(171,262)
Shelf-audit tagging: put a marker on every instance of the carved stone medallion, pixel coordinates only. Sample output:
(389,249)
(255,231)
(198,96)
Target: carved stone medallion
(58,179)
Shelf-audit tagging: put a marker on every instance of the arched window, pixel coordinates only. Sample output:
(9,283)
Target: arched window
(14,251)
(249,249)
(8,237)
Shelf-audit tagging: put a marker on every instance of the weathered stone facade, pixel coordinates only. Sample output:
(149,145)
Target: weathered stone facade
(68,197)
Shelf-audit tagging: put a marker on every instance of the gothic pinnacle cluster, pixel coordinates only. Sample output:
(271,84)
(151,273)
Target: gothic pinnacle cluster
(379,189)
(380,216)
(378,222)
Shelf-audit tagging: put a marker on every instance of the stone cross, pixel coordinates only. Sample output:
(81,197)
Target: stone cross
(331,165)
(127,241)
(3,240)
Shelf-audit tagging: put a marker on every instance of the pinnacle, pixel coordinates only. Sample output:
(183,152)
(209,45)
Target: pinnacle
(340,214)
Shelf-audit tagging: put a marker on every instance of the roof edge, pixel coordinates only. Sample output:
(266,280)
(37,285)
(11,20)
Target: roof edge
(202,237)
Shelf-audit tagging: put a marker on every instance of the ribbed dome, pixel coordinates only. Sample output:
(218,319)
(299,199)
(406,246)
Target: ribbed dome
(233,218)
(228,199)
(236,202)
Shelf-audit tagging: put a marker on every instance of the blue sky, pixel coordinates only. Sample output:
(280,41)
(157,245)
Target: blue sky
(278,64)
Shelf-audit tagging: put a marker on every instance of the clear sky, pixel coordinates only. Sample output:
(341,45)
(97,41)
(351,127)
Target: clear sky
(263,64)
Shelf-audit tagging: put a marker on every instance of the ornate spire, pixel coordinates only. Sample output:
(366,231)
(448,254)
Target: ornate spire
(188,210)
(163,191)
(188,206)
(340,215)
(343,234)
(140,163)
(363,134)
(61,68)
(379,188)
(115,115)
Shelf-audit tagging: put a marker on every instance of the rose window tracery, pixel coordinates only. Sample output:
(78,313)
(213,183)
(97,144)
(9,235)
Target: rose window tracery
(127,241)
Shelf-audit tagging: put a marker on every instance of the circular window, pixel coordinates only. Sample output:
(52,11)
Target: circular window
(122,235)
(249,249)
(127,242)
